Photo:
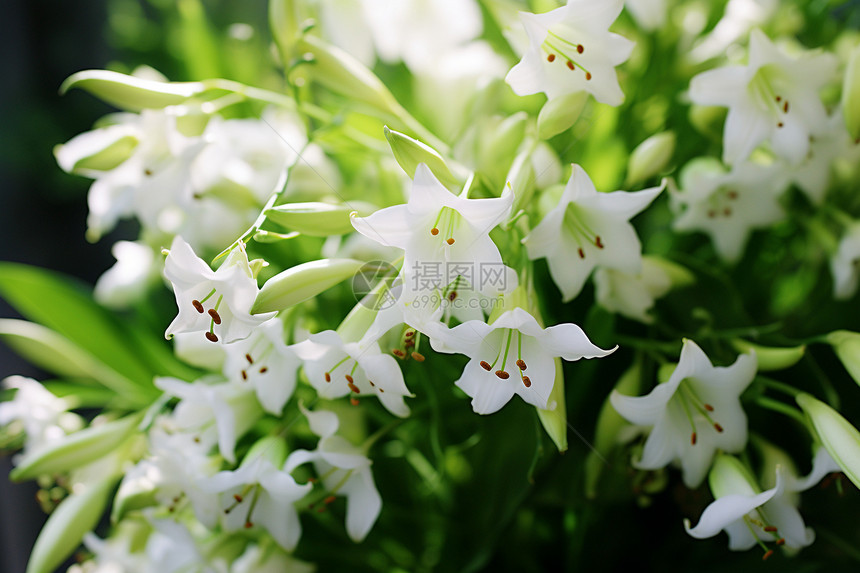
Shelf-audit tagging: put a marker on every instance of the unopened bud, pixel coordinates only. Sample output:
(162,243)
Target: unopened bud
(650,157)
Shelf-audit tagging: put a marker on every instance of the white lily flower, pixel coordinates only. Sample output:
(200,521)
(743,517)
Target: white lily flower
(572,50)
(113,554)
(728,205)
(649,14)
(513,355)
(43,416)
(633,295)
(344,470)
(588,229)
(212,410)
(130,278)
(264,361)
(693,414)
(739,18)
(258,492)
(844,263)
(171,548)
(336,368)
(229,292)
(773,98)
(445,236)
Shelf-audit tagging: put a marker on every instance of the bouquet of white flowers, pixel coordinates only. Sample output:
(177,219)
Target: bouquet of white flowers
(394,230)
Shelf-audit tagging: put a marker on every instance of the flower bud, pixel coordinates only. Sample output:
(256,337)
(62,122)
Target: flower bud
(560,113)
(521,179)
(846,344)
(318,219)
(836,434)
(409,153)
(770,358)
(299,283)
(554,418)
(272,448)
(130,92)
(650,157)
(851,94)
(729,476)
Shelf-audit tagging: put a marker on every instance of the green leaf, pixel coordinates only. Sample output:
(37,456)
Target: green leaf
(65,306)
(199,45)
(302,282)
(76,449)
(131,93)
(74,517)
(318,219)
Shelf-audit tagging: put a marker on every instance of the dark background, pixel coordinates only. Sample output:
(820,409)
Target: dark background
(42,209)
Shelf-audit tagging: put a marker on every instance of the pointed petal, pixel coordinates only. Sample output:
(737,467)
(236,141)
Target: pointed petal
(720,87)
(570,342)
(724,511)
(745,129)
(299,457)
(392,226)
(488,393)
(363,505)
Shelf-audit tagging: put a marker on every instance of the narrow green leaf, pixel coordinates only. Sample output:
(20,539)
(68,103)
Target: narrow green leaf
(302,282)
(76,515)
(131,93)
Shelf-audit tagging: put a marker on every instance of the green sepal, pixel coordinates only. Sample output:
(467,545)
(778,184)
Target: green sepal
(302,282)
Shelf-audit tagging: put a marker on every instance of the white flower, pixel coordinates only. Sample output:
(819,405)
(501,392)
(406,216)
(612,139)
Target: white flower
(130,278)
(588,229)
(649,14)
(694,413)
(264,361)
(336,368)
(513,355)
(844,263)
(571,50)
(344,470)
(633,295)
(257,559)
(773,98)
(171,548)
(212,410)
(259,493)
(738,19)
(728,206)
(229,293)
(445,236)
(43,416)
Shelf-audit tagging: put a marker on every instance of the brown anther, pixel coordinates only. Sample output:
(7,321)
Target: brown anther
(409,333)
(354,388)
(527,382)
(780,541)
(450,240)
(216,318)
(321,509)
(171,509)
(238,498)
(147,171)
(769,528)
(418,357)
(570,65)
(311,505)
(327,377)
(708,407)
(550,58)
(354,401)
(778,99)
(244,375)
(587,76)
(597,242)
(382,391)
(502,374)
(521,364)
(197,306)
(409,344)
(372,385)
(780,124)
(349,379)
(452,295)
(732,195)
(718,427)
(398,353)
(712,214)
(228,510)
(312,480)
(264,369)
(329,499)
(249,359)
(767,554)
(211,337)
(581,253)
(785,107)
(580,48)
(196,439)
(727,212)
(693,439)
(485,365)
(248,525)
(434,231)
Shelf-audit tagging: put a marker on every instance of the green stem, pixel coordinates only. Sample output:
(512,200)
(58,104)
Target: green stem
(782,408)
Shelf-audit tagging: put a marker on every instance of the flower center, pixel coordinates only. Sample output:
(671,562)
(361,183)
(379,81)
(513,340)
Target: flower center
(239,498)
(720,203)
(582,233)
(750,520)
(259,365)
(408,347)
(446,218)
(691,402)
(559,48)
(214,317)
(521,364)
(767,97)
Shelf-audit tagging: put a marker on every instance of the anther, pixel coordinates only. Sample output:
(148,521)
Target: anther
(249,359)
(211,337)
(238,498)
(244,375)
(409,333)
(147,171)
(409,343)
(215,316)
(452,295)
(450,240)
(597,242)
(587,76)
(693,439)
(485,365)
(354,388)
(550,58)
(785,107)
(580,48)
(398,353)
(248,525)
(767,554)
(708,407)
(780,541)
(570,65)
(527,382)
(434,231)
(418,357)
(769,528)
(780,124)
(732,195)
(727,212)
(521,364)
(712,214)
(372,385)
(349,379)
(327,377)
(718,427)
(197,305)
(264,369)
(502,374)
(581,253)
(329,499)
(778,99)
(354,401)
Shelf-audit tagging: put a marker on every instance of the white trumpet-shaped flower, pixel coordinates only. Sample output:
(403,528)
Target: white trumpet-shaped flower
(445,236)
(571,50)
(229,294)
(588,229)
(844,263)
(773,98)
(693,414)
(344,470)
(513,355)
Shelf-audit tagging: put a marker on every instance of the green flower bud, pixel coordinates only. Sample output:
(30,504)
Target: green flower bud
(650,157)
(302,282)
(846,344)
(554,418)
(409,153)
(770,358)
(129,92)
(273,448)
(559,114)
(836,434)
(318,219)
(728,476)
(851,94)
